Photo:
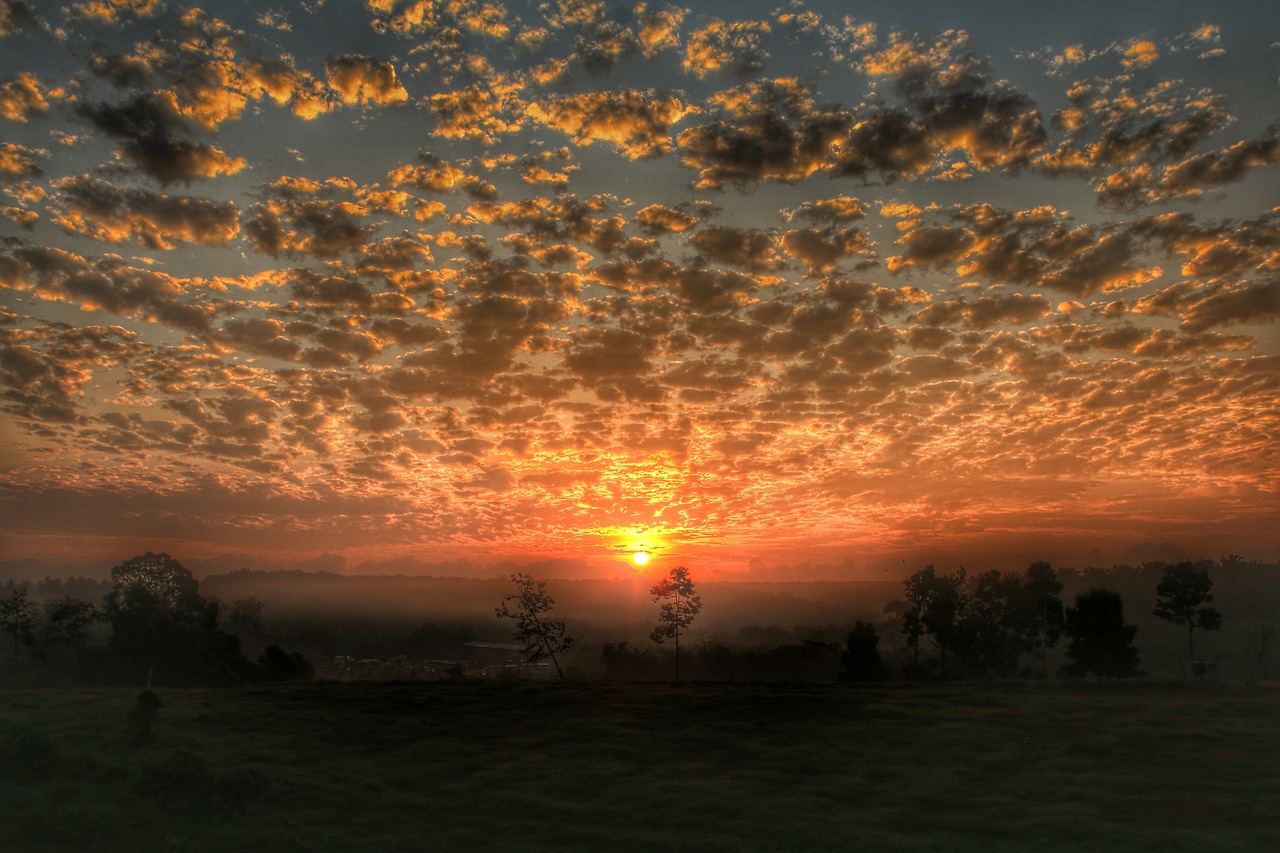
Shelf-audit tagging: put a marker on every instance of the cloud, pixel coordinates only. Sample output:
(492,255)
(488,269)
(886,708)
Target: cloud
(18,161)
(151,130)
(720,45)
(1204,306)
(482,113)
(16,15)
(1140,53)
(637,124)
(85,205)
(839,209)
(112,13)
(21,98)
(1190,178)
(46,368)
(659,29)
(298,218)
(108,284)
(766,131)
(658,219)
(361,80)
(821,249)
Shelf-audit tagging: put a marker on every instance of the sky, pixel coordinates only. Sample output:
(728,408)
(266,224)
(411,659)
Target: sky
(773,290)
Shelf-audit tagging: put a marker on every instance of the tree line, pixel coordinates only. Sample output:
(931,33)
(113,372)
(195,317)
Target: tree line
(989,625)
(154,626)
(159,630)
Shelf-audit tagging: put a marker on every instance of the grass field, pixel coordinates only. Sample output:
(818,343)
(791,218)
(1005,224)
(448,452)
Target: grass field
(489,766)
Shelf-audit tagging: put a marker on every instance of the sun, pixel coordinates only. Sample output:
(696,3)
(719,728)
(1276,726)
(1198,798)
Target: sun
(640,557)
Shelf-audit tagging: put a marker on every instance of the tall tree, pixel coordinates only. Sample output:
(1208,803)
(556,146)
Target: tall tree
(1100,641)
(935,606)
(1178,598)
(1043,592)
(998,623)
(159,620)
(17,617)
(680,604)
(542,636)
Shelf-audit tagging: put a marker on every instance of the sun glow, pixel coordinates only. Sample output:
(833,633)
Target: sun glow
(640,557)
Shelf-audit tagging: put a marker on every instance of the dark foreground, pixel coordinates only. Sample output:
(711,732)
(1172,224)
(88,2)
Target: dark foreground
(483,766)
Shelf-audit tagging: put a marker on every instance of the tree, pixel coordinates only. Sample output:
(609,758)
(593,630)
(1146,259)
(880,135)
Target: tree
(935,606)
(246,613)
(1100,641)
(861,659)
(1043,592)
(542,636)
(680,604)
(275,664)
(998,623)
(160,621)
(1178,598)
(17,617)
(70,619)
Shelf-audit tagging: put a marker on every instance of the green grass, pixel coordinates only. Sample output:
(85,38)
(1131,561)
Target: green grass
(483,766)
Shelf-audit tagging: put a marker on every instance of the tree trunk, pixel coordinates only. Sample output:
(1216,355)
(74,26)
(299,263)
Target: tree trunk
(1191,646)
(677,635)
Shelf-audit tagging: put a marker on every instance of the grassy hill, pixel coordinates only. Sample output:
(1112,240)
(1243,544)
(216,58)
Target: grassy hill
(492,766)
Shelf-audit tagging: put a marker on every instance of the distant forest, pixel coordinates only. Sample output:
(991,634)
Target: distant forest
(154,623)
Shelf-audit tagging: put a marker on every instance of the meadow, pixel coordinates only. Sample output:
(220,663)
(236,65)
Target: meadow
(563,766)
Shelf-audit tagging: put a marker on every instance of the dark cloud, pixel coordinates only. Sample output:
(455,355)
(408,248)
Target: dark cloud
(114,214)
(16,15)
(637,124)
(298,218)
(152,134)
(1203,306)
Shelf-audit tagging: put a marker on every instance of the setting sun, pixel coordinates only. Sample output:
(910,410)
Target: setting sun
(641,557)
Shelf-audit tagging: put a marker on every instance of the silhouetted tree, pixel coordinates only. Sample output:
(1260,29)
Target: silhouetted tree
(158,618)
(542,636)
(680,604)
(64,637)
(18,618)
(246,614)
(1178,598)
(935,606)
(1100,641)
(275,664)
(861,659)
(70,619)
(1043,593)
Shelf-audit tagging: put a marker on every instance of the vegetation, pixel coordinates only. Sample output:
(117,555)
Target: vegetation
(988,623)
(963,626)
(861,660)
(680,604)
(541,635)
(1101,642)
(1117,766)
(160,631)
(1178,598)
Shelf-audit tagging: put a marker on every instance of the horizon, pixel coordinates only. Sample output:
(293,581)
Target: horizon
(760,289)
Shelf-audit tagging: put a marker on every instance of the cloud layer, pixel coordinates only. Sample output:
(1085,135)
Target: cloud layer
(459,278)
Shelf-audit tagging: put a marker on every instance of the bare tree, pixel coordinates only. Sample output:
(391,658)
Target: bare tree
(680,604)
(542,636)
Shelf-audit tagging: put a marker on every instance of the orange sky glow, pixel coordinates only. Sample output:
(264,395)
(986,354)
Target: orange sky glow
(765,289)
